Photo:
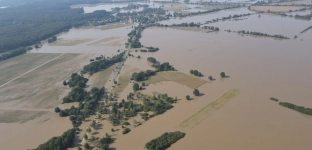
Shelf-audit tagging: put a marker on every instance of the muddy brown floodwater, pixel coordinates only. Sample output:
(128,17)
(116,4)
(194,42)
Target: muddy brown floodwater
(259,67)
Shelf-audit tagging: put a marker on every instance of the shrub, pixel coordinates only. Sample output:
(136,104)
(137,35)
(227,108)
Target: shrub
(126,130)
(196,92)
(164,141)
(126,123)
(222,74)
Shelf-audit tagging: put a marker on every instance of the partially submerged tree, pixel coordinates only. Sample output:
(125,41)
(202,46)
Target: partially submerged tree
(222,74)
(196,92)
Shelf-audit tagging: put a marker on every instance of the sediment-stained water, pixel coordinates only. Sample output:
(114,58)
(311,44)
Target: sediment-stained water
(259,67)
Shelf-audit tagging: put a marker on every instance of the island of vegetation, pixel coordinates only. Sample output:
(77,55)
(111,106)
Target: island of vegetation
(259,34)
(301,109)
(164,141)
(196,73)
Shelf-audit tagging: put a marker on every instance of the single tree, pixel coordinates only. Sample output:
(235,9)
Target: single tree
(222,74)
(188,97)
(89,130)
(136,87)
(57,109)
(85,137)
(86,146)
(143,84)
(210,78)
(64,83)
(115,82)
(196,92)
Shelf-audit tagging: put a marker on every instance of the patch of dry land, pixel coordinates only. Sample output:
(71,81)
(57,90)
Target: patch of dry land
(106,41)
(175,6)
(31,87)
(211,7)
(124,77)
(276,8)
(209,109)
(178,77)
(113,26)
(194,29)
(72,42)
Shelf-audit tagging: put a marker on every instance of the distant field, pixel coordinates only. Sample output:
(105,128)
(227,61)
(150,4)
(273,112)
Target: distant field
(178,77)
(209,109)
(276,8)
(214,7)
(100,78)
(113,26)
(194,29)
(72,42)
(40,90)
(124,77)
(16,66)
(102,42)
(175,6)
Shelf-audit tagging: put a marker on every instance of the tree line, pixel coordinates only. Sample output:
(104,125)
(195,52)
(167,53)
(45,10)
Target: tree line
(196,73)
(301,109)
(260,34)
(59,143)
(102,63)
(164,141)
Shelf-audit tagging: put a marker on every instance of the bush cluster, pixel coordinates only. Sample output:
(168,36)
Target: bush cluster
(164,141)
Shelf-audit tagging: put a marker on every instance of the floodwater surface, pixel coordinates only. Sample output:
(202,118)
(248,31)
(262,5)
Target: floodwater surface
(259,68)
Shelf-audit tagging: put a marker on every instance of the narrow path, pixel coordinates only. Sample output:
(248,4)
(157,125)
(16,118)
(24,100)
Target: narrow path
(31,70)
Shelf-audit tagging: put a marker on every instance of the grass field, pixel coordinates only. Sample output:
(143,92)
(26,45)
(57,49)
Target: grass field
(40,90)
(208,7)
(276,8)
(124,78)
(178,77)
(209,109)
(194,29)
(113,26)
(73,42)
(100,78)
(14,67)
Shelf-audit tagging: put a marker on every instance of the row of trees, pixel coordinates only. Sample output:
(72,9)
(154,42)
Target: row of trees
(196,73)
(76,80)
(102,63)
(12,53)
(175,14)
(301,109)
(164,141)
(141,76)
(263,34)
(59,143)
